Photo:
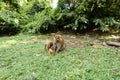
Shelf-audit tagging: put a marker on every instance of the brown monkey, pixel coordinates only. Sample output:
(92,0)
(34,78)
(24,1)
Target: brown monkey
(59,43)
(49,47)
(51,51)
(48,44)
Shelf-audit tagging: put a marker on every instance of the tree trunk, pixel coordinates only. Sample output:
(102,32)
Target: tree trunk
(117,44)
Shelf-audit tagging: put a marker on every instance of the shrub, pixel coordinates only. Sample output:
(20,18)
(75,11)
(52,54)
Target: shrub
(37,16)
(9,22)
(41,22)
(106,24)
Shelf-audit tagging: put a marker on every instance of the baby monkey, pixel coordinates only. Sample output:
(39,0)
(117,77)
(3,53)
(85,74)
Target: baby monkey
(56,45)
(50,47)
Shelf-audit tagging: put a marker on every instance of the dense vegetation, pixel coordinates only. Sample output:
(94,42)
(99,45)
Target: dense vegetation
(37,16)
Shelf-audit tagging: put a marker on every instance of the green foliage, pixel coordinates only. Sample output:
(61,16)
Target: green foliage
(41,22)
(10,19)
(106,24)
(35,7)
(9,22)
(38,16)
(79,24)
(101,14)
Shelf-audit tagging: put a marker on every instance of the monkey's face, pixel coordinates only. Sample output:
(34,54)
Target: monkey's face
(57,38)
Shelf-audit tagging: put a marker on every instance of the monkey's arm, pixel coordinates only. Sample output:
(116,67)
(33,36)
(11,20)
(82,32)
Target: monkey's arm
(58,47)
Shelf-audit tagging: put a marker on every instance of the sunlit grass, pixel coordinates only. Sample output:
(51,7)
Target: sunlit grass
(22,57)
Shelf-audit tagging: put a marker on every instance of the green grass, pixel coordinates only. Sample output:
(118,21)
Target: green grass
(22,57)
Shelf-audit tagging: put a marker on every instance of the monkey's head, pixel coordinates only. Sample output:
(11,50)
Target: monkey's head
(58,37)
(51,44)
(48,44)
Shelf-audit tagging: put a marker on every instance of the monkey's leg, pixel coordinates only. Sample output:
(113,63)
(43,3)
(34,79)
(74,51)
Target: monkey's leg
(58,48)
(63,47)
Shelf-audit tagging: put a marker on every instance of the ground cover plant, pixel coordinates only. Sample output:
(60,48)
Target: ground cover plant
(22,57)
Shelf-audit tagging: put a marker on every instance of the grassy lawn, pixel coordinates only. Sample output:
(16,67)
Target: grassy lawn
(22,57)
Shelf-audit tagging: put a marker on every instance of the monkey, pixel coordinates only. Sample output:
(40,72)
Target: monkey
(118,39)
(50,47)
(48,44)
(59,42)
(51,51)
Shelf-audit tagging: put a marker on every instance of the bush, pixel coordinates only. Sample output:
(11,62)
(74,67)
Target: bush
(38,16)
(41,22)
(106,24)
(10,19)
(9,22)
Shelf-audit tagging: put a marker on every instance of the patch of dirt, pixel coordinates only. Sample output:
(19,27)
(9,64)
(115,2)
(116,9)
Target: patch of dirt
(92,39)
(74,41)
